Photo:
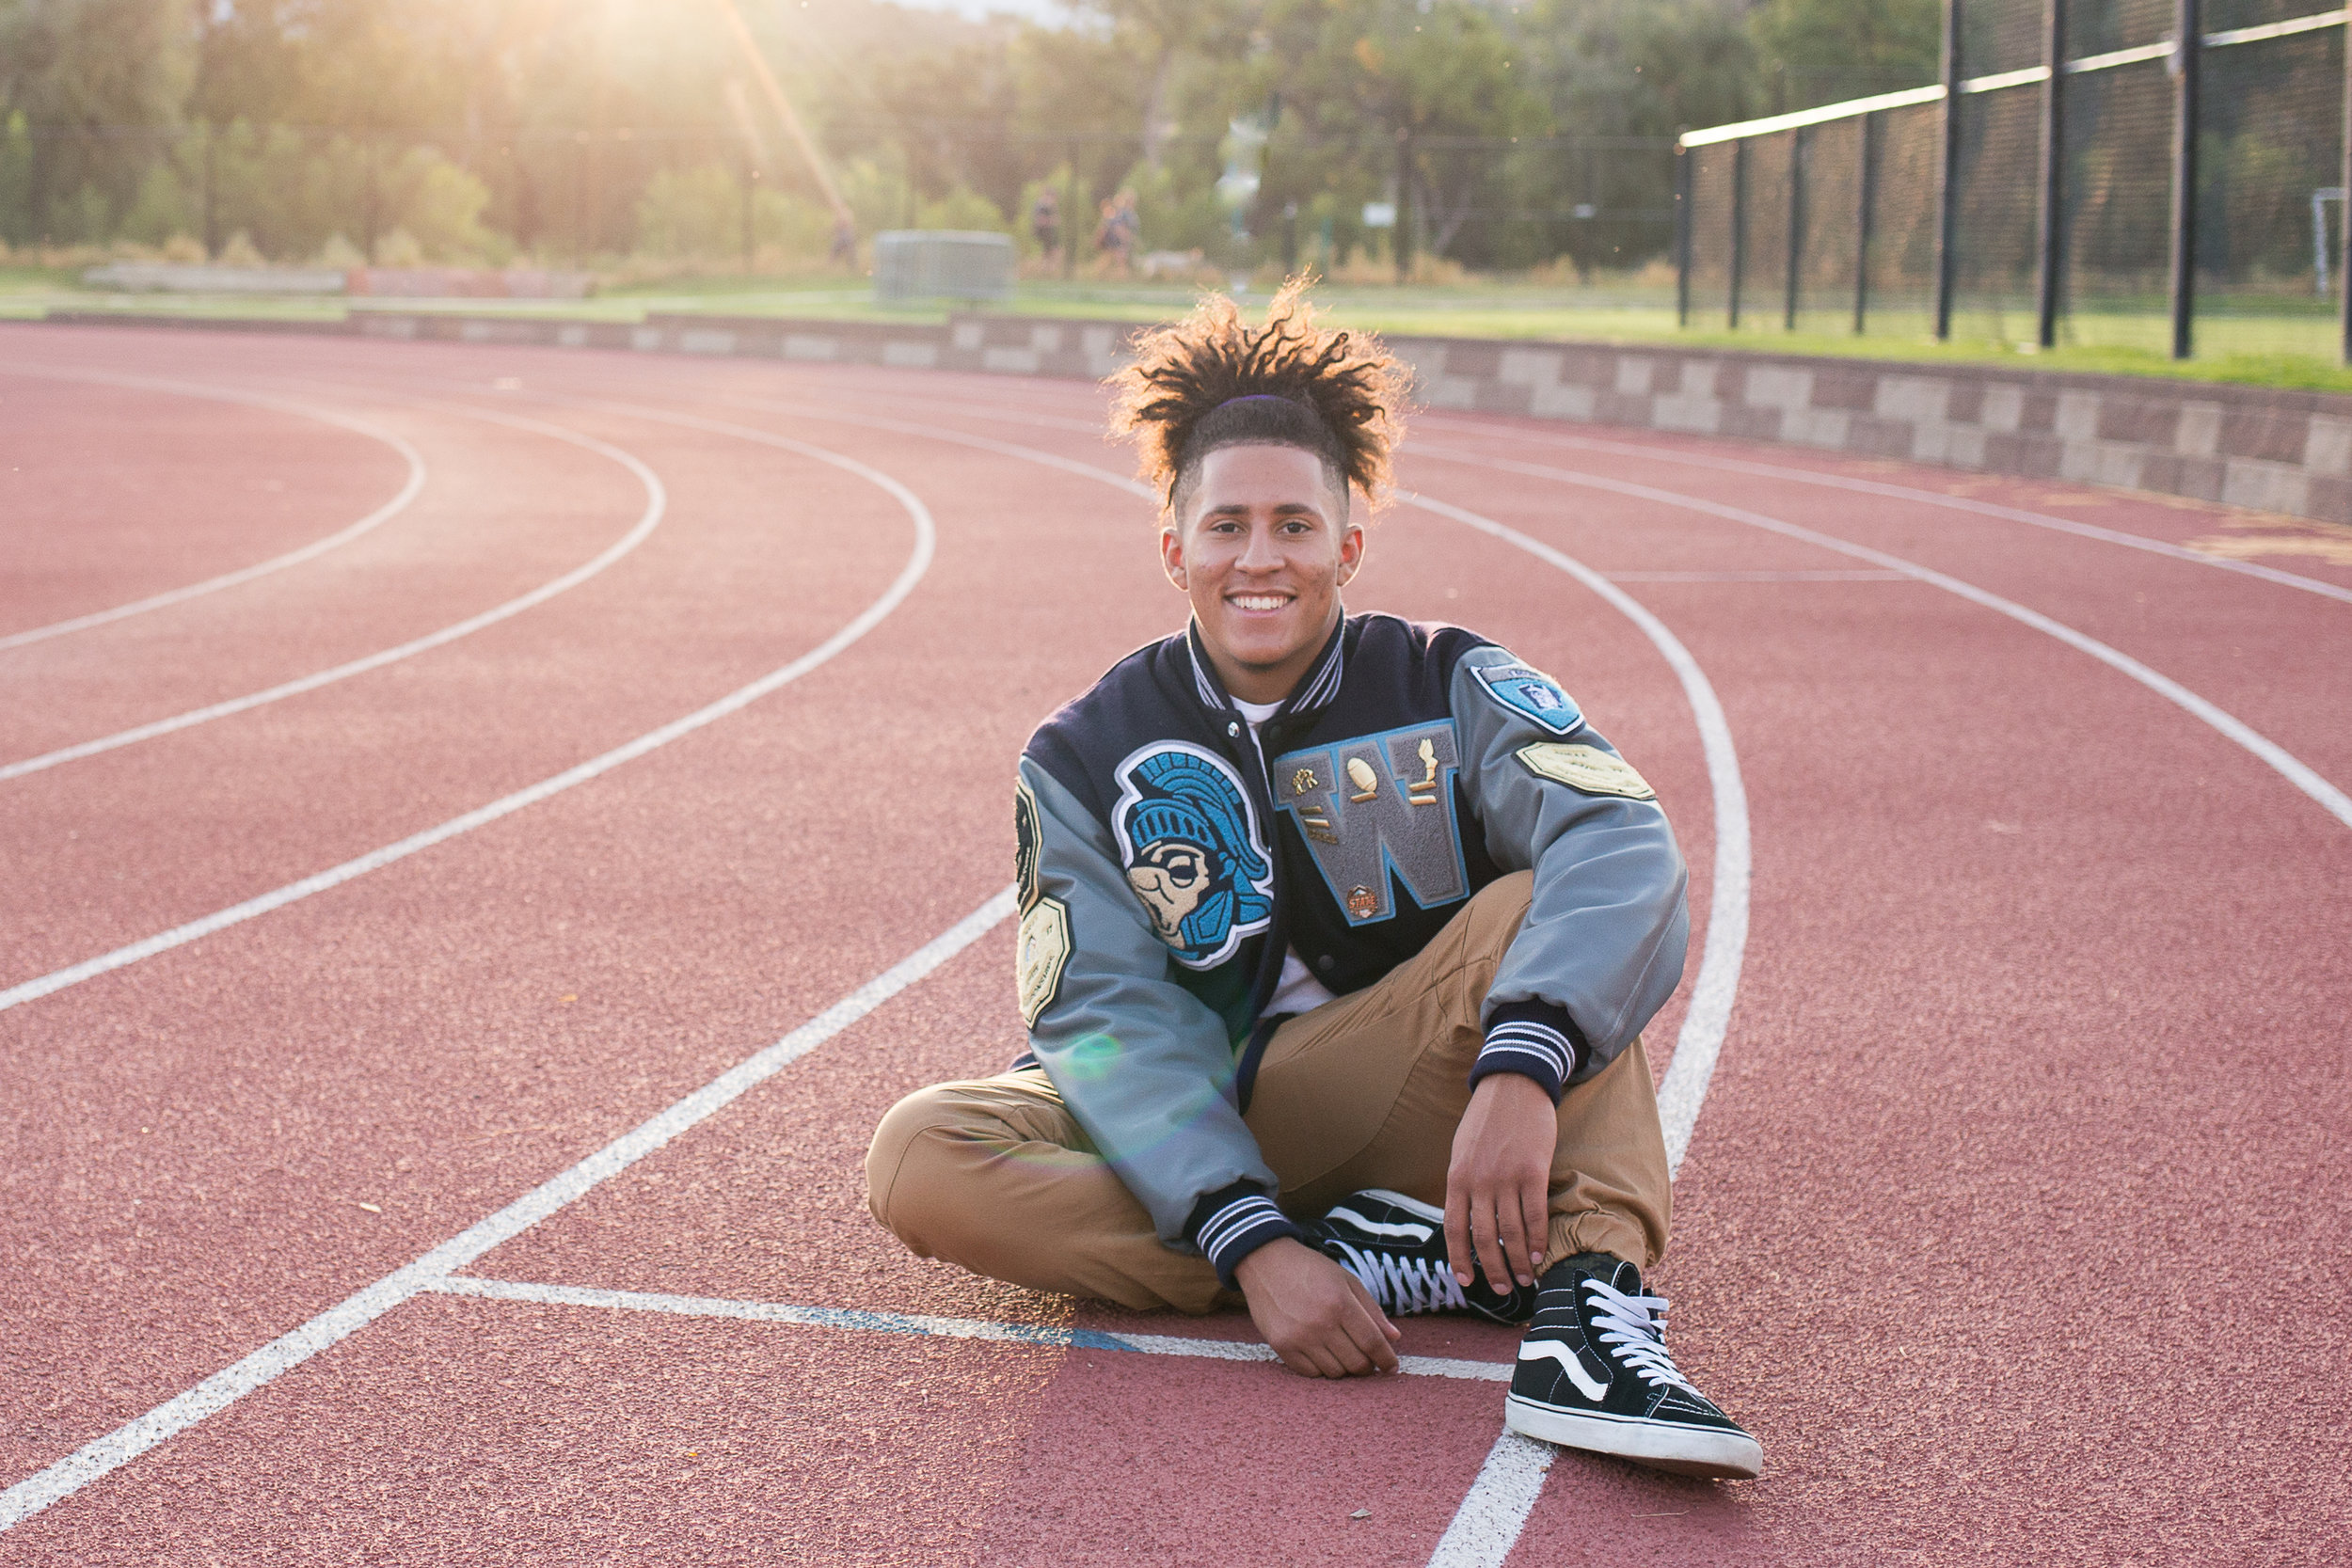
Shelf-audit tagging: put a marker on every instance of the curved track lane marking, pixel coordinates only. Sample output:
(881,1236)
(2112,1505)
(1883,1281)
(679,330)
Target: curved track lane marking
(134,1437)
(1742,466)
(1893,492)
(918,562)
(1717,984)
(399,502)
(2331,800)
(1488,1522)
(858,1320)
(657,506)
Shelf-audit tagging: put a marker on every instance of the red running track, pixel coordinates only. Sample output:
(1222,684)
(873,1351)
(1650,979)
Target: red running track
(2013,1221)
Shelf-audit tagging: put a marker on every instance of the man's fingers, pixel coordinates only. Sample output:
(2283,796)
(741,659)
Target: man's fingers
(1511,1242)
(1372,1309)
(1319,1359)
(1339,1347)
(1371,1334)
(1457,1236)
(1485,1236)
(1535,1203)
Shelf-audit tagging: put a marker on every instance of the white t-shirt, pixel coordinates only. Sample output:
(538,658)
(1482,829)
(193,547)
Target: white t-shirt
(1298,990)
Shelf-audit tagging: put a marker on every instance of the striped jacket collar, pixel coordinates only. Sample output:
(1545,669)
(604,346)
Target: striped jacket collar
(1318,688)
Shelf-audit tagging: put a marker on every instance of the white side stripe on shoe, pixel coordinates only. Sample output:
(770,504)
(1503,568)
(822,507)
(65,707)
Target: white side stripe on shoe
(1539,1350)
(1375,1228)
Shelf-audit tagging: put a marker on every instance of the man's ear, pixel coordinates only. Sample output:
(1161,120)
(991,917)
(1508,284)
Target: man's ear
(1172,556)
(1352,543)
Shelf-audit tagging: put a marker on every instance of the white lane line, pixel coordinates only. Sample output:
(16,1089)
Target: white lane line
(2331,800)
(1488,1525)
(407,492)
(865,421)
(1757,577)
(338,1322)
(862,1321)
(980,411)
(1717,984)
(1893,492)
(918,562)
(657,506)
(1488,1522)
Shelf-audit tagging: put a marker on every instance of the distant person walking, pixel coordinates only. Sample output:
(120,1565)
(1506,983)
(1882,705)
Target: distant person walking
(1045,224)
(844,248)
(1121,229)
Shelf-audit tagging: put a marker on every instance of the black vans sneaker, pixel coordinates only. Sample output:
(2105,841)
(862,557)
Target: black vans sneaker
(1594,1373)
(1396,1246)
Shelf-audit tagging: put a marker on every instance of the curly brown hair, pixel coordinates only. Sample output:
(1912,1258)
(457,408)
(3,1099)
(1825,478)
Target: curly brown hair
(1212,381)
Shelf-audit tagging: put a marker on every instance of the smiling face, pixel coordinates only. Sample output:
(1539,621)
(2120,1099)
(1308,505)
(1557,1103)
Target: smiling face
(1262,547)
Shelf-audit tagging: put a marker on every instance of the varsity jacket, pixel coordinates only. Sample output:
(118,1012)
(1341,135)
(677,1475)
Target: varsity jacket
(1166,863)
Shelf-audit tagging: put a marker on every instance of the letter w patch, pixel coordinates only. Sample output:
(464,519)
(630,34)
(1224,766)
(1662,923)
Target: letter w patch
(1376,805)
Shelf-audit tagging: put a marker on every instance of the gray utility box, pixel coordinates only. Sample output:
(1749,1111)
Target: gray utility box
(941,263)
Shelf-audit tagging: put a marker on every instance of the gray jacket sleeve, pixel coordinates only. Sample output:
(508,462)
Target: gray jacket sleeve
(1143,1064)
(1609,928)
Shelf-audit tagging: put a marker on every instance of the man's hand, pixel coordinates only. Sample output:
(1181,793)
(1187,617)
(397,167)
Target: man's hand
(1495,1186)
(1318,1316)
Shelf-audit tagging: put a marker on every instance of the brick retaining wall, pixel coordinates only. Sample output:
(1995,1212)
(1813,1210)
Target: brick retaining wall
(2283,452)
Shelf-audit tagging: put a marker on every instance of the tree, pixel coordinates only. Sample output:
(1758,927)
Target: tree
(1816,52)
(1620,79)
(1394,94)
(101,84)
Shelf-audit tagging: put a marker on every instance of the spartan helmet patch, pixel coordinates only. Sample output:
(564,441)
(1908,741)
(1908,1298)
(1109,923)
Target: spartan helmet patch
(1532,694)
(1194,854)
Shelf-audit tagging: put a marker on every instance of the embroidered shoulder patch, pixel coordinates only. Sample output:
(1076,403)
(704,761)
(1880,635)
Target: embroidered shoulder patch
(1532,694)
(1588,768)
(1043,953)
(1028,837)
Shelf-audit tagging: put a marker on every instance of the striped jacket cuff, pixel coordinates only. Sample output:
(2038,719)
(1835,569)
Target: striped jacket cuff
(1230,1225)
(1536,1039)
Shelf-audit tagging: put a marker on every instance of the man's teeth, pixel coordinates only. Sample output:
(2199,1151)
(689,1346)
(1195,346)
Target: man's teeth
(1259,601)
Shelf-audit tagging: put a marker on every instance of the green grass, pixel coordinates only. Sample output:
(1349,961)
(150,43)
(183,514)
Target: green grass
(2266,341)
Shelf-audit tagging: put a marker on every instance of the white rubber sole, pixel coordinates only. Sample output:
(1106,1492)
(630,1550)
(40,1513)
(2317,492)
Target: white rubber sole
(1662,1445)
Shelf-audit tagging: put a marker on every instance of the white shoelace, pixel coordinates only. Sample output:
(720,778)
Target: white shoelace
(1635,1329)
(1402,1286)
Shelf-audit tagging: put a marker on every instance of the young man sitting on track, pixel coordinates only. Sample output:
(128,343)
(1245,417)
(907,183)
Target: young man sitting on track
(1337,937)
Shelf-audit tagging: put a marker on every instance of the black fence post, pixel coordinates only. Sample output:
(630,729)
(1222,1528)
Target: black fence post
(2344,210)
(1682,233)
(2186,44)
(1073,220)
(212,184)
(750,214)
(2053,213)
(1947,175)
(1796,229)
(1739,224)
(1401,237)
(1865,197)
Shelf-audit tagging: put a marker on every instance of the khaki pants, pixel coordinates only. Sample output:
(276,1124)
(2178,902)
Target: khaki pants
(1366,1091)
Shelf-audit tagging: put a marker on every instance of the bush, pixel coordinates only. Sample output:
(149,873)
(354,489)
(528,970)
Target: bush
(697,214)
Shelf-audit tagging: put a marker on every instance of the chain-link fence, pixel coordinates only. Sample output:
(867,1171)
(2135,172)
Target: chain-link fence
(2090,183)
